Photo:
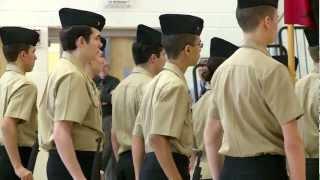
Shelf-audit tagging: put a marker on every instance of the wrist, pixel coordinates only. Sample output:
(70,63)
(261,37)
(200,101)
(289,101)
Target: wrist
(176,176)
(78,176)
(17,165)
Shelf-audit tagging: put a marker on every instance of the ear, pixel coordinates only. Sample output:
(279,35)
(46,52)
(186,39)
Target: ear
(22,54)
(80,42)
(187,49)
(152,58)
(267,22)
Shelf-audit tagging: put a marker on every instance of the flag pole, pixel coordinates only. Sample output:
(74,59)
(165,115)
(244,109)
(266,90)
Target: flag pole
(291,59)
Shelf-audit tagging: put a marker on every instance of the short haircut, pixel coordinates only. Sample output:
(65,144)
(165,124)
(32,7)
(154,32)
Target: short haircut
(12,51)
(249,18)
(142,52)
(213,63)
(69,36)
(174,44)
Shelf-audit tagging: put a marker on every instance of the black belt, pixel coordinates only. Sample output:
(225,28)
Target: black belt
(260,157)
(312,160)
(125,153)
(182,159)
(85,154)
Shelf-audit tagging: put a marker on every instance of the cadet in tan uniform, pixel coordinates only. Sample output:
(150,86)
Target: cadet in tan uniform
(253,110)
(308,92)
(17,103)
(219,51)
(70,123)
(166,106)
(149,58)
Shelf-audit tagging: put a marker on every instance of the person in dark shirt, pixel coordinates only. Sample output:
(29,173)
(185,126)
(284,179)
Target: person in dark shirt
(106,83)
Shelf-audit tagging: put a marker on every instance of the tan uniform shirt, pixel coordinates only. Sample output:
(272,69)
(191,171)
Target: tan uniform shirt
(308,92)
(253,96)
(199,118)
(71,95)
(18,100)
(126,100)
(166,110)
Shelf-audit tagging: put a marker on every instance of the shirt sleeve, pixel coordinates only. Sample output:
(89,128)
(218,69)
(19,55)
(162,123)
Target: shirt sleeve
(22,102)
(170,111)
(315,107)
(279,94)
(137,130)
(72,100)
(139,108)
(213,110)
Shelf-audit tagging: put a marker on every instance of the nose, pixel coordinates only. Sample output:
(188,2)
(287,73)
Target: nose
(100,44)
(100,52)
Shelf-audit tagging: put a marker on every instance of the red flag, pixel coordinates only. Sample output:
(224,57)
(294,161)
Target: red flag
(298,12)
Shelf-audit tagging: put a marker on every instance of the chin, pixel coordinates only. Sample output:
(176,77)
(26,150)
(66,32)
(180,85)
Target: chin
(30,69)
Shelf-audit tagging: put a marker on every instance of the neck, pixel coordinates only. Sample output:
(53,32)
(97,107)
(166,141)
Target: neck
(256,38)
(148,67)
(19,64)
(180,62)
(76,55)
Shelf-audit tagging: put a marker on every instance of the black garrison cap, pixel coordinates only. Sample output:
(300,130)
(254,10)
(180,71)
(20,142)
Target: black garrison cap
(147,35)
(73,17)
(172,24)
(18,35)
(253,3)
(221,48)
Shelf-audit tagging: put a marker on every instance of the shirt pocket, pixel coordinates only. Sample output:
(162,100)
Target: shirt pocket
(95,112)
(94,94)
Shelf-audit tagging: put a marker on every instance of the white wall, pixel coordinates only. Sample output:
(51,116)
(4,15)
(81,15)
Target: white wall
(219,16)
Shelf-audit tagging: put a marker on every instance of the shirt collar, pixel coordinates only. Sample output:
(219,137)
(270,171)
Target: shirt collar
(73,60)
(15,68)
(254,45)
(139,69)
(68,56)
(175,69)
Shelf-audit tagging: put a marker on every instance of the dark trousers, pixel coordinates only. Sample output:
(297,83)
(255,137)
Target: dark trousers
(125,170)
(312,165)
(6,169)
(57,171)
(151,168)
(265,167)
(108,163)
